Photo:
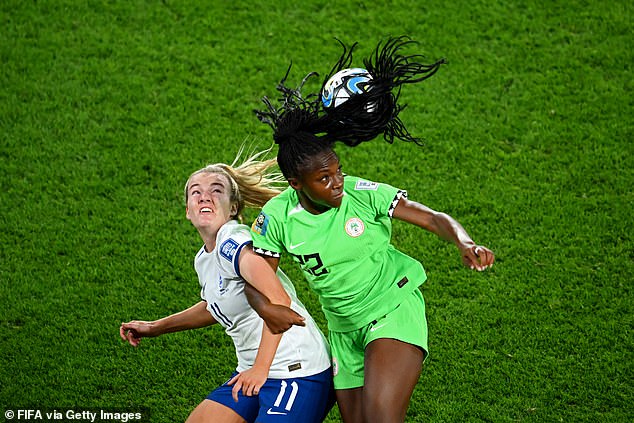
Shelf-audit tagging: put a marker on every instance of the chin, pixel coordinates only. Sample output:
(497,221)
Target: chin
(335,203)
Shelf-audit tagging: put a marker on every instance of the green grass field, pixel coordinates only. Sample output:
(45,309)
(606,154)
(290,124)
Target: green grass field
(107,107)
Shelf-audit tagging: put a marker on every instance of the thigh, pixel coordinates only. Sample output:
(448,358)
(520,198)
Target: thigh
(392,369)
(212,411)
(246,407)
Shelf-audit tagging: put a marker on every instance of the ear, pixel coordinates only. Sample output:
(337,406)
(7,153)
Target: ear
(187,213)
(295,184)
(234,210)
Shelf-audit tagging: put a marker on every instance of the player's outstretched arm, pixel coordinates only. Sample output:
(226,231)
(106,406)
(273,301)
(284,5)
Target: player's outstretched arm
(474,256)
(194,317)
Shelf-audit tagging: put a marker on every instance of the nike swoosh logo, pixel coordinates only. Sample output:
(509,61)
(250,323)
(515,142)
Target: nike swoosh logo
(373,328)
(271,412)
(292,247)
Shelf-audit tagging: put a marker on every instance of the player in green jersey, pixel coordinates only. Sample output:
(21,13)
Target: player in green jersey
(338,229)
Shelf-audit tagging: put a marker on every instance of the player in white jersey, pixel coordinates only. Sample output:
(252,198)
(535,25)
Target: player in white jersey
(278,378)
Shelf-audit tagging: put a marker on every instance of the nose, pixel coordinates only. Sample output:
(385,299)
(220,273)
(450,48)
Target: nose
(338,181)
(205,197)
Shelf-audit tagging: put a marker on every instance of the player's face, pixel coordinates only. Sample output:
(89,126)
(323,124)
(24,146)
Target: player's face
(321,183)
(209,203)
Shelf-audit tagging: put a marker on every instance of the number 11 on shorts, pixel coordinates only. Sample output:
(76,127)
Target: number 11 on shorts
(291,398)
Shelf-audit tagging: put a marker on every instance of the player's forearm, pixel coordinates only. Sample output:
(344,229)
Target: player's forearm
(440,224)
(261,303)
(194,317)
(267,349)
(447,228)
(256,300)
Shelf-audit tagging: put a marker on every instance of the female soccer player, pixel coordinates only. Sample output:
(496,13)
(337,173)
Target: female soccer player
(338,228)
(278,378)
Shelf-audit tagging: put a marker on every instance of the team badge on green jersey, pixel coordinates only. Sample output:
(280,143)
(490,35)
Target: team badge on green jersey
(355,227)
(260,224)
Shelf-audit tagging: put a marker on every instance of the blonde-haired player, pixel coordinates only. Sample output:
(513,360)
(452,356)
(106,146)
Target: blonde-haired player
(279,378)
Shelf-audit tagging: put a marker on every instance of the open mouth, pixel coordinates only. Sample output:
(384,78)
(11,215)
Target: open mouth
(205,210)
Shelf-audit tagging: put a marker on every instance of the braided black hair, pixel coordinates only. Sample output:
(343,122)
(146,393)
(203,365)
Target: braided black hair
(297,126)
(303,128)
(374,112)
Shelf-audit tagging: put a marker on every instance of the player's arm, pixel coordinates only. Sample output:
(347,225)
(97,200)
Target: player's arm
(194,317)
(446,227)
(265,292)
(251,380)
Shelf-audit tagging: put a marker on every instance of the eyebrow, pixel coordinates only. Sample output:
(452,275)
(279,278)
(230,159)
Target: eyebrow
(326,169)
(211,185)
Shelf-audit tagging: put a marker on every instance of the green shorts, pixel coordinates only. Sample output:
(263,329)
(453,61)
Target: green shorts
(406,323)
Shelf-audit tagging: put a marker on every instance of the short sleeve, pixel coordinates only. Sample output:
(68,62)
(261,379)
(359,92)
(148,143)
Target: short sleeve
(230,245)
(383,198)
(267,235)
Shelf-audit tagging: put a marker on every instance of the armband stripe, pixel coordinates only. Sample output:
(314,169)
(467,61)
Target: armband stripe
(400,194)
(267,253)
(236,257)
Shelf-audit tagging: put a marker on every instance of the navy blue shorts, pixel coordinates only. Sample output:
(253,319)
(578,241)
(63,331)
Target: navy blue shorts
(303,399)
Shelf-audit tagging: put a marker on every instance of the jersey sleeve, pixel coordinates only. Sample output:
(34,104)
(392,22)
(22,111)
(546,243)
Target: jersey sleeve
(383,198)
(231,241)
(266,232)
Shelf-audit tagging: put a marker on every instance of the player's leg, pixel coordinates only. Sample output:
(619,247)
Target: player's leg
(211,411)
(349,402)
(219,406)
(392,369)
(396,346)
(348,354)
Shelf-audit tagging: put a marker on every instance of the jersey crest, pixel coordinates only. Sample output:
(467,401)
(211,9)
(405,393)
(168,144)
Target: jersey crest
(355,227)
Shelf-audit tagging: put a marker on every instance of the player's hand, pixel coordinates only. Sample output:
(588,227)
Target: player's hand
(250,381)
(133,331)
(280,318)
(477,257)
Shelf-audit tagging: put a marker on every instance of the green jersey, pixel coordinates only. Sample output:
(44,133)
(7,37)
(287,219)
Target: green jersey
(345,252)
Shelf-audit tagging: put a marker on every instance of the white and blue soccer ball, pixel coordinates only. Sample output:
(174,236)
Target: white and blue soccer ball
(343,85)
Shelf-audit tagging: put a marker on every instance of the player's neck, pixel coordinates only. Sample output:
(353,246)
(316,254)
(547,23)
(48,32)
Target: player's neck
(209,239)
(310,206)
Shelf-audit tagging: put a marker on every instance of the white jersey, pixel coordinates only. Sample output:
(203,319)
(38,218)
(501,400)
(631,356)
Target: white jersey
(303,351)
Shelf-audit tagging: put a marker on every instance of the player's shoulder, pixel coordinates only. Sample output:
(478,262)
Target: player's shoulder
(233,230)
(279,205)
(231,237)
(361,189)
(357,184)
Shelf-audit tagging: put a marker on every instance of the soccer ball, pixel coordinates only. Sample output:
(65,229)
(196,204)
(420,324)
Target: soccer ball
(344,84)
